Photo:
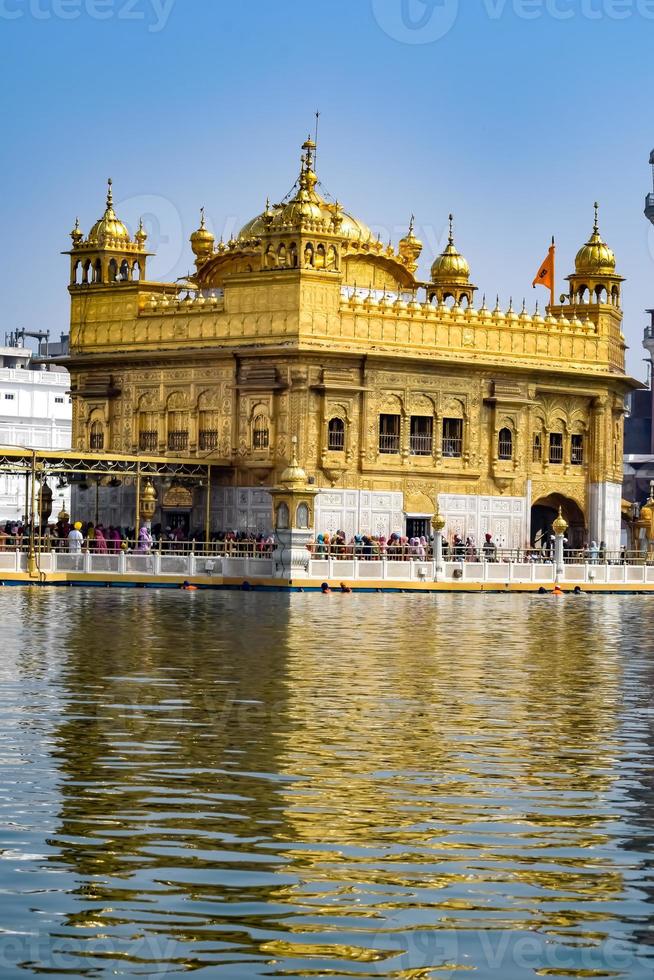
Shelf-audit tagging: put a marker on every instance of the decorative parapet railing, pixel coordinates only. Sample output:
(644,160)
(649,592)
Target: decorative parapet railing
(184,301)
(131,566)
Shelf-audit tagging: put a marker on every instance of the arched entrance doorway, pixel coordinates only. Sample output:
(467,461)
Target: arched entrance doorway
(546,509)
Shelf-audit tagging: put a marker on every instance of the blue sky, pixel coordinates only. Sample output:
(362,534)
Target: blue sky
(514,114)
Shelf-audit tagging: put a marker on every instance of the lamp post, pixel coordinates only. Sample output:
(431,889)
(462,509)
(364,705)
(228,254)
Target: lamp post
(560,526)
(438,524)
(147,503)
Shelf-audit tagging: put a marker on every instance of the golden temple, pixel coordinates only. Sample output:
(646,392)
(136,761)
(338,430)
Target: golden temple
(400,392)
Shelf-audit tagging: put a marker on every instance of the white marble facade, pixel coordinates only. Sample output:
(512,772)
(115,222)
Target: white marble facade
(380,513)
(605,514)
(239,509)
(360,512)
(508,519)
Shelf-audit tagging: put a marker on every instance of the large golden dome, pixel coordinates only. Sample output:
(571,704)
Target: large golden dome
(595,258)
(109,229)
(308,208)
(450,266)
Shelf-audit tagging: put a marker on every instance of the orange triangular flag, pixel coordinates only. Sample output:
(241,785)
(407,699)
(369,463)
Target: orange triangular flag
(545,276)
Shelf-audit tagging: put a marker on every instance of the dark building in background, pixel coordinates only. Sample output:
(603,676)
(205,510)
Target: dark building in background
(639,433)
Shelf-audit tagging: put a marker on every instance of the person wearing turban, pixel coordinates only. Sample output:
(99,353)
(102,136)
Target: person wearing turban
(75,539)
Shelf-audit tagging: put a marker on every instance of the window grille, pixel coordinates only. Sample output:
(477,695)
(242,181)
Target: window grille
(452,437)
(336,436)
(577,451)
(389,434)
(556,447)
(422,435)
(260,433)
(505,444)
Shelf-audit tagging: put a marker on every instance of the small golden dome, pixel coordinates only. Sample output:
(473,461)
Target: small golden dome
(109,229)
(76,234)
(410,240)
(450,266)
(202,240)
(294,475)
(595,258)
(560,525)
(141,235)
(148,492)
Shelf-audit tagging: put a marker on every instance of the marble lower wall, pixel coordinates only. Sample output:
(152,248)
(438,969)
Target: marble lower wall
(605,514)
(506,518)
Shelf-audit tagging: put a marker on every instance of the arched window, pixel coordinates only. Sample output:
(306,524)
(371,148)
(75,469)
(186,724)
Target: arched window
(282,517)
(537,452)
(260,433)
(336,436)
(97,271)
(113,270)
(208,429)
(302,517)
(96,437)
(505,444)
(331,260)
(177,422)
(124,271)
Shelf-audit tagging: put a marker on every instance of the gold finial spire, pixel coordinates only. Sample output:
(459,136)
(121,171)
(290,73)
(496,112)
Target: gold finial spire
(76,233)
(203,224)
(596,225)
(412,223)
(451,238)
(141,235)
(110,196)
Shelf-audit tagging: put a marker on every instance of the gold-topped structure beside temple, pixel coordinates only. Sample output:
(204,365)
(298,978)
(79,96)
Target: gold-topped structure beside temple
(399,389)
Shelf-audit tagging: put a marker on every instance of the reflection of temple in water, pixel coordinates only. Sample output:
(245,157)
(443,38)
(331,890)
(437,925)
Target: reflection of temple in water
(284,779)
(436,774)
(167,754)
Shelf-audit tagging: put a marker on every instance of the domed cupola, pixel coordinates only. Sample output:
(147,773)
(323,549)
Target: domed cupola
(410,248)
(107,255)
(202,241)
(450,274)
(109,230)
(595,258)
(595,279)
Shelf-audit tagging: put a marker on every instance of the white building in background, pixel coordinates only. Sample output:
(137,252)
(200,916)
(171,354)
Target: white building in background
(35,411)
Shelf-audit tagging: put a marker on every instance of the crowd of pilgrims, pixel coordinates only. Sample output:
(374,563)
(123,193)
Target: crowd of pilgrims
(110,539)
(107,539)
(398,547)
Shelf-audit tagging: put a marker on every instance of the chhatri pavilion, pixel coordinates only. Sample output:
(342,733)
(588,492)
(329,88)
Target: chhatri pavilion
(399,393)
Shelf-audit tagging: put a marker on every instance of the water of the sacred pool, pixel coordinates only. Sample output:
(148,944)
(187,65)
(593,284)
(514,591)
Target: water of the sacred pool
(244,785)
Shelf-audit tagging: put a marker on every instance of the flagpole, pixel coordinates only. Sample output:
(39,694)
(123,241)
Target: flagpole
(553,287)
